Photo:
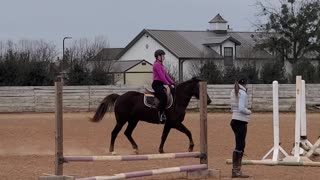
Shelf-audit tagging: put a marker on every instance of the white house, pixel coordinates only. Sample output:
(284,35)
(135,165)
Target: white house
(185,49)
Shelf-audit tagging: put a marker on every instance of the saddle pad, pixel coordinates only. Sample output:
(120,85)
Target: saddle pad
(151,101)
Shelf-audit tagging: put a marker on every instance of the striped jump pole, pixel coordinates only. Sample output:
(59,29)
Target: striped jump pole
(133,157)
(136,174)
(278,163)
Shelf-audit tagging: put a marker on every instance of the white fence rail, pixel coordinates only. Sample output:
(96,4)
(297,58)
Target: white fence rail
(87,98)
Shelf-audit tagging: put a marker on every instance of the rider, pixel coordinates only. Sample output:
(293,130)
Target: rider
(160,78)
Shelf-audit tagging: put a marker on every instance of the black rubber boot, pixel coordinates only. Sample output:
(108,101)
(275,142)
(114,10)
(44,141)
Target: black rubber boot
(236,163)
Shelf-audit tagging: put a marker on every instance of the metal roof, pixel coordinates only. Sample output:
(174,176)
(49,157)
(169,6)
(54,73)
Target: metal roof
(107,54)
(194,44)
(123,66)
(218,19)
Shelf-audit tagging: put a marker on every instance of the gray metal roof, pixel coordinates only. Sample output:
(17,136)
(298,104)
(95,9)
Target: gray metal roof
(191,44)
(123,66)
(247,48)
(220,40)
(185,44)
(107,54)
(218,19)
(175,42)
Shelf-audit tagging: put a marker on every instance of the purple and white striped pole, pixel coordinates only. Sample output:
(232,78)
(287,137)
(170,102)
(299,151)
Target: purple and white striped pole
(149,172)
(133,157)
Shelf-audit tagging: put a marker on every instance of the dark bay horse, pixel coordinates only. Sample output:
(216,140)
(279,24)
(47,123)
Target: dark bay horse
(130,108)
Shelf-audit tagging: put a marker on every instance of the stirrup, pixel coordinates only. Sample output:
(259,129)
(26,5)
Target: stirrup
(162,118)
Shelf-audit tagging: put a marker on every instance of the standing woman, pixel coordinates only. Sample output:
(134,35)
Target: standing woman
(240,118)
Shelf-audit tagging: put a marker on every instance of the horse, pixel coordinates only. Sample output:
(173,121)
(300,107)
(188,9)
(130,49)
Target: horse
(129,107)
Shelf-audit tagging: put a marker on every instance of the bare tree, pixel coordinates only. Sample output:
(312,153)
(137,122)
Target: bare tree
(84,54)
(194,67)
(172,70)
(84,50)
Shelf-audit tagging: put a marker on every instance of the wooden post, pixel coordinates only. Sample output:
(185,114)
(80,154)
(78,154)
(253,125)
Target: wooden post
(59,129)
(208,173)
(203,123)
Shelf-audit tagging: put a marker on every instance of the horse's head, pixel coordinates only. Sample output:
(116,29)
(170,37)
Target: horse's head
(191,88)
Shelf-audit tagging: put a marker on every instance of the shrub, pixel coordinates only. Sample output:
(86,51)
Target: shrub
(305,69)
(210,72)
(272,71)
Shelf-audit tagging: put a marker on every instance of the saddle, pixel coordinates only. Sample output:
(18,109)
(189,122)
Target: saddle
(151,101)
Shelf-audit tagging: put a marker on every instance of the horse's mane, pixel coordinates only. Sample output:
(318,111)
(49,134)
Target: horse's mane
(192,80)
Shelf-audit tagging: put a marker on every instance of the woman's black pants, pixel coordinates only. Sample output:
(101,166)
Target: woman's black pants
(240,131)
(160,94)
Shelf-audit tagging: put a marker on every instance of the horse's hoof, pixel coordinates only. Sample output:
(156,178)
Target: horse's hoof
(161,151)
(113,153)
(191,149)
(136,151)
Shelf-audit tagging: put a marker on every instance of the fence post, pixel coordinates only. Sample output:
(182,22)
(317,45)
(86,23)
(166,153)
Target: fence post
(203,123)
(58,128)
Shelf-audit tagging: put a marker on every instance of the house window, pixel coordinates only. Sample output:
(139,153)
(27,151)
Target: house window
(143,64)
(228,56)
(228,52)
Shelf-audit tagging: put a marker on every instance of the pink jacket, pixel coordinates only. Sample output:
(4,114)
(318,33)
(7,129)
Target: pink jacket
(160,74)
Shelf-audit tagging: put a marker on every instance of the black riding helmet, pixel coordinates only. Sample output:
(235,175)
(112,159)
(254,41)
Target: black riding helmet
(243,80)
(159,52)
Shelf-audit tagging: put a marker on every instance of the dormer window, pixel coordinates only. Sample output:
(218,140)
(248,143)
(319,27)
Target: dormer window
(228,56)
(228,52)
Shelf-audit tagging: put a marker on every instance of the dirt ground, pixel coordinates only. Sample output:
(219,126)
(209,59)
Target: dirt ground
(27,145)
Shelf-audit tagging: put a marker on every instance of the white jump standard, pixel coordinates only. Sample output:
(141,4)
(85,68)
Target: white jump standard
(300,139)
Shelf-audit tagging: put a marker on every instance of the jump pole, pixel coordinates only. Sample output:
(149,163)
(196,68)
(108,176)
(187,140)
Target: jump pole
(133,157)
(278,163)
(149,172)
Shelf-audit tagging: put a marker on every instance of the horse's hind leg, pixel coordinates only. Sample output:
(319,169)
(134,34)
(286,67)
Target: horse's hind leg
(114,135)
(180,127)
(128,133)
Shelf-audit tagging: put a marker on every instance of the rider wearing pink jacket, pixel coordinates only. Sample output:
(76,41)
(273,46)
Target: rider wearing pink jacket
(160,78)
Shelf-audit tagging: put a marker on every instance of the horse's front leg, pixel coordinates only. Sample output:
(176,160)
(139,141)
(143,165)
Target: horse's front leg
(164,136)
(180,127)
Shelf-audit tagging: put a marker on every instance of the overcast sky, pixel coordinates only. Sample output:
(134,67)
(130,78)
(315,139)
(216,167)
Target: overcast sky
(117,20)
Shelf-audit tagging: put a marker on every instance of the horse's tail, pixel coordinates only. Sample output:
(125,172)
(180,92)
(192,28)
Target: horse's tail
(104,106)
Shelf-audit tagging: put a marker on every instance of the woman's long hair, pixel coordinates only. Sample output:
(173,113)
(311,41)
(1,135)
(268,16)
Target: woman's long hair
(236,88)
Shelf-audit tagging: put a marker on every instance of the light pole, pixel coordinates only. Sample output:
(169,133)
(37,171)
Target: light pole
(63,48)
(62,67)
